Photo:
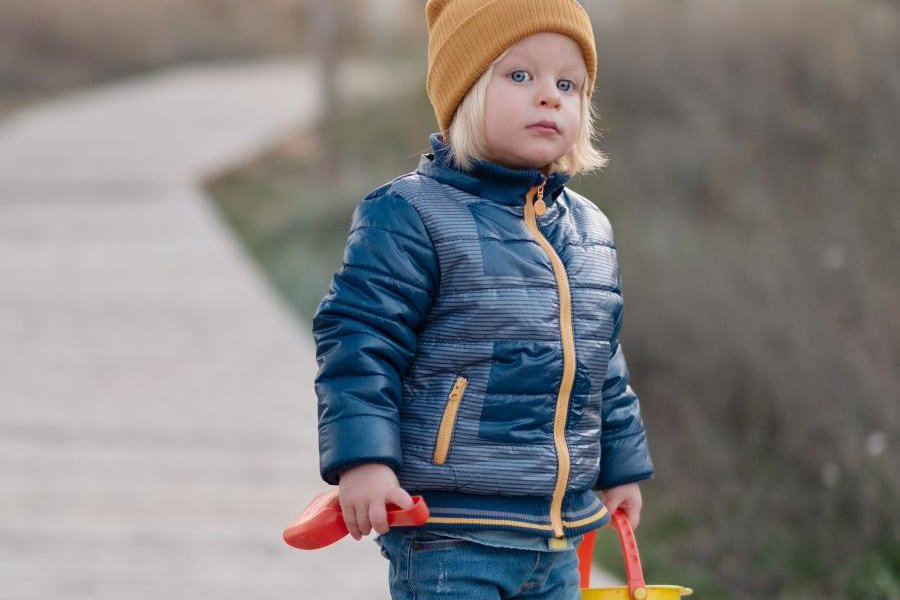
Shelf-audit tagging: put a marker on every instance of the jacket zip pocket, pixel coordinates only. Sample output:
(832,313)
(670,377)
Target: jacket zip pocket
(448,420)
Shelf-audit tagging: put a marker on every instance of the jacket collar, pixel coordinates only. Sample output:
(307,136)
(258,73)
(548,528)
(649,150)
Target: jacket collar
(488,179)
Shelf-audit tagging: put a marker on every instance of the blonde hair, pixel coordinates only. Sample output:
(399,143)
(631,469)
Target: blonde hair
(467,138)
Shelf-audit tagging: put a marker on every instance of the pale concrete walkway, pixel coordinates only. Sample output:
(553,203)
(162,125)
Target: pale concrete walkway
(157,412)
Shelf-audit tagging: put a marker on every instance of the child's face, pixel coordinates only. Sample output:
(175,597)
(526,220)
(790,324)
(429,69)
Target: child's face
(541,78)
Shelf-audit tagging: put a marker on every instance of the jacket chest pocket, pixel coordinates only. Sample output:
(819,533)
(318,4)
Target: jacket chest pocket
(448,420)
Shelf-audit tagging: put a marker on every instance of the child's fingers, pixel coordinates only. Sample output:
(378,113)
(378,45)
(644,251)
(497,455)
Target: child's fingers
(611,504)
(362,519)
(349,512)
(378,517)
(400,497)
(634,515)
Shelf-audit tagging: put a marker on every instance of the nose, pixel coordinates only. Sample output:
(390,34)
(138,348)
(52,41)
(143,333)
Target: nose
(548,95)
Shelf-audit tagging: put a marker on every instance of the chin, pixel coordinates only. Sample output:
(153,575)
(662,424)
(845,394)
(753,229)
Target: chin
(544,156)
(541,161)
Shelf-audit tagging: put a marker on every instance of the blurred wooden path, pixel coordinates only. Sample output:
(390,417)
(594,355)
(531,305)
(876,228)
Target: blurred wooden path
(157,412)
(158,416)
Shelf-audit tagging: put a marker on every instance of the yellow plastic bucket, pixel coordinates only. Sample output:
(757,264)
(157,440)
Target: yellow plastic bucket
(636,588)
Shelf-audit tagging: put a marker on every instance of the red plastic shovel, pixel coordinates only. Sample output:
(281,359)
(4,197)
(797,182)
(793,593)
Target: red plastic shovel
(322,523)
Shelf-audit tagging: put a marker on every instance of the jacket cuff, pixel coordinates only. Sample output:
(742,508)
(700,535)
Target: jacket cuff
(624,460)
(363,438)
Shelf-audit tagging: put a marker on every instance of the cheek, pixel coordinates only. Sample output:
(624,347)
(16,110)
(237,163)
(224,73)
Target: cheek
(492,112)
(574,118)
(499,117)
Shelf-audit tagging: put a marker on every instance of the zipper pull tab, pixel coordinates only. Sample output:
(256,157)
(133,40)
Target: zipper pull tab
(540,207)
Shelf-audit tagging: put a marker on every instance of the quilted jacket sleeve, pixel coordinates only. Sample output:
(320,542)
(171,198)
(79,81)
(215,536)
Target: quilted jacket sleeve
(365,332)
(625,457)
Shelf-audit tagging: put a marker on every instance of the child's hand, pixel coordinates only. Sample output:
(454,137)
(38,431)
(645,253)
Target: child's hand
(628,498)
(363,492)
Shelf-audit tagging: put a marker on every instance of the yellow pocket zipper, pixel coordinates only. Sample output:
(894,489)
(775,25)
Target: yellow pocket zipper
(448,420)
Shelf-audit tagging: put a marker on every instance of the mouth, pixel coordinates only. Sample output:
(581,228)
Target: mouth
(544,127)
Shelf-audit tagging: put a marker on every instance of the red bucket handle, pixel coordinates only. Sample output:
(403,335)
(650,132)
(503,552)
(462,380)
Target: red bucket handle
(637,589)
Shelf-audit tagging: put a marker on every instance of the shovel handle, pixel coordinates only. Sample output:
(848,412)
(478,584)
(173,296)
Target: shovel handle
(322,522)
(416,514)
(637,589)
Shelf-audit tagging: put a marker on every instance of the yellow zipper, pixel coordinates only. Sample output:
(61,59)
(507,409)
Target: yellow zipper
(568,341)
(448,420)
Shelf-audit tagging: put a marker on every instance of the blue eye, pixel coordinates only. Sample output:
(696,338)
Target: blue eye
(514,73)
(521,75)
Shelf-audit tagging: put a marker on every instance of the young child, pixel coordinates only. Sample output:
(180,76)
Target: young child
(468,347)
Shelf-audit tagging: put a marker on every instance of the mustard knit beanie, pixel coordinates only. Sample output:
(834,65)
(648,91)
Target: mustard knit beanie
(465,36)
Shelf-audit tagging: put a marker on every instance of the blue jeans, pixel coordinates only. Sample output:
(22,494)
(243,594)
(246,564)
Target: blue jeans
(425,566)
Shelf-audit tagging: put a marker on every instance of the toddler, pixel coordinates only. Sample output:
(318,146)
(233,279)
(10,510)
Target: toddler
(468,346)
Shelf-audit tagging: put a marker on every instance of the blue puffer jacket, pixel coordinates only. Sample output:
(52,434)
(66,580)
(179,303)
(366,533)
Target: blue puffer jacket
(470,341)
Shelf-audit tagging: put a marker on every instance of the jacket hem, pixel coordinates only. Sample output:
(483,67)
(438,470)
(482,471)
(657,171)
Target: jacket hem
(582,511)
